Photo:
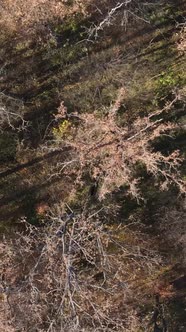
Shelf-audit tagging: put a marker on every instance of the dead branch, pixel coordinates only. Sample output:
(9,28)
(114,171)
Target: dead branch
(12,113)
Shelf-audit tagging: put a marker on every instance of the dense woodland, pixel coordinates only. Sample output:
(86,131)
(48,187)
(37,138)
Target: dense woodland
(92,166)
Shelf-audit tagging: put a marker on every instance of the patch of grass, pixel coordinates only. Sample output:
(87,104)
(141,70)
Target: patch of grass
(167,81)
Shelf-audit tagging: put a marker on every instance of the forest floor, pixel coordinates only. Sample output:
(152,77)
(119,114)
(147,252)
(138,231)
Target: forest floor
(65,63)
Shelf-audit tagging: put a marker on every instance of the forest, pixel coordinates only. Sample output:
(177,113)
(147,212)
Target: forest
(92,166)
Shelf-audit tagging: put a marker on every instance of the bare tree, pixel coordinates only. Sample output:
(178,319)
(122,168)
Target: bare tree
(74,275)
(113,153)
